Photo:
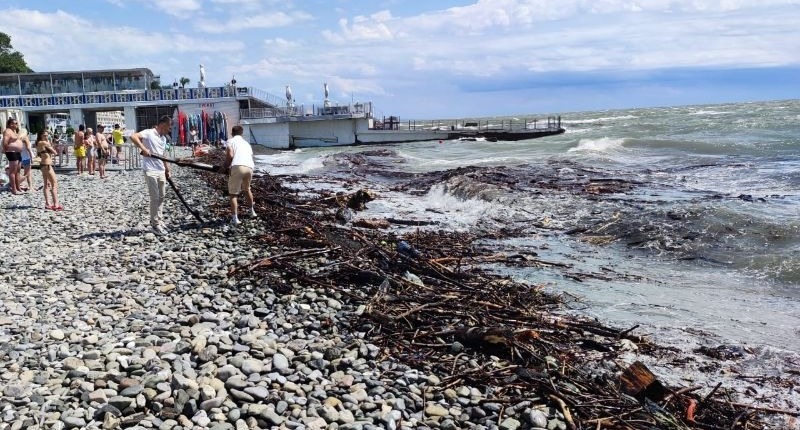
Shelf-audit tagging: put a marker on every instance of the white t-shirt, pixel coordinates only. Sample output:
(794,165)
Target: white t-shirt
(156,144)
(242,152)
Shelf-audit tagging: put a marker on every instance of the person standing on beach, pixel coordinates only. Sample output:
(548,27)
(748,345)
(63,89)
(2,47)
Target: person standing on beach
(154,141)
(119,140)
(80,150)
(27,158)
(12,147)
(239,162)
(90,142)
(103,149)
(193,138)
(50,185)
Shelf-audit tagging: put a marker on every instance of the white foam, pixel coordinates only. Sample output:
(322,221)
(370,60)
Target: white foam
(461,212)
(288,163)
(594,120)
(604,144)
(709,112)
(423,162)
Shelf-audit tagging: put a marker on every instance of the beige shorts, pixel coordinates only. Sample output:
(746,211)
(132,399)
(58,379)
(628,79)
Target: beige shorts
(239,179)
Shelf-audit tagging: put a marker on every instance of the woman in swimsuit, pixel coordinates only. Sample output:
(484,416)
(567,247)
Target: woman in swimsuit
(46,153)
(12,146)
(27,158)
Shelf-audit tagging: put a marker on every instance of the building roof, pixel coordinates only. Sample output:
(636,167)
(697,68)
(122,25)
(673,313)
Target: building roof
(144,70)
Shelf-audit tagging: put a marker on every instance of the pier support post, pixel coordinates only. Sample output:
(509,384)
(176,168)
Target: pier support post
(130,118)
(76,118)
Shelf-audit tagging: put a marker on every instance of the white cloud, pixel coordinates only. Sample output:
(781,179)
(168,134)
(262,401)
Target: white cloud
(373,28)
(282,45)
(264,20)
(177,8)
(491,36)
(81,44)
(342,89)
(251,4)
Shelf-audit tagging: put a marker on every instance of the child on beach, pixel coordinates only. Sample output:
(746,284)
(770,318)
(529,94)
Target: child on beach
(46,153)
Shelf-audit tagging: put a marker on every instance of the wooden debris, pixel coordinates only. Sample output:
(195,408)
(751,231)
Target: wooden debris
(638,381)
(358,200)
(465,324)
(372,223)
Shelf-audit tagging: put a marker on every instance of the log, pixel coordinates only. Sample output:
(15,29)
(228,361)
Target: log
(194,213)
(371,223)
(639,382)
(411,222)
(192,164)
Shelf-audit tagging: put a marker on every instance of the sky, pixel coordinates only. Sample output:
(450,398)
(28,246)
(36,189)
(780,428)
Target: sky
(434,59)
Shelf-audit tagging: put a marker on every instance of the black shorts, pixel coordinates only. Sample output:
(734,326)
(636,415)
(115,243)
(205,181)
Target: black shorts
(14,156)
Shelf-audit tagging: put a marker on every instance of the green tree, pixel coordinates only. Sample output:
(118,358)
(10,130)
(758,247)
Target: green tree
(11,61)
(184,81)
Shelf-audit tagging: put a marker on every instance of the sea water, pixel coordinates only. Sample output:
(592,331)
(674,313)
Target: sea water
(702,246)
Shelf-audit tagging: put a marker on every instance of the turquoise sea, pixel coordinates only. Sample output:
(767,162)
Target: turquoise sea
(684,220)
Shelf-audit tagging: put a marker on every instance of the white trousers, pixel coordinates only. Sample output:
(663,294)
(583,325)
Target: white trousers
(156,188)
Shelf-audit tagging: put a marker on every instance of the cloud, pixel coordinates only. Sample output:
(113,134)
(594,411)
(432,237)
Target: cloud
(282,45)
(251,4)
(342,87)
(177,8)
(122,46)
(265,20)
(372,28)
(491,36)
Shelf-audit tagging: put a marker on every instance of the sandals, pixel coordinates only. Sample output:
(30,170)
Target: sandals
(56,208)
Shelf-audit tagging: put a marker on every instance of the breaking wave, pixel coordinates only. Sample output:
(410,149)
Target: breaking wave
(604,144)
(288,164)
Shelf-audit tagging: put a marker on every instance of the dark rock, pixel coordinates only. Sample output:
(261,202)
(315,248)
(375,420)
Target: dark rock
(101,412)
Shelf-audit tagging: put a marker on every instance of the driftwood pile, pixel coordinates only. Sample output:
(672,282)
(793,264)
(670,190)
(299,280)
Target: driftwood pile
(426,301)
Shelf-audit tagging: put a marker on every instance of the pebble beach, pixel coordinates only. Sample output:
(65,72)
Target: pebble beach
(105,325)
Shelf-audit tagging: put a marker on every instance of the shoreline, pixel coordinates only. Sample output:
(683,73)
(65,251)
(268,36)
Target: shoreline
(105,324)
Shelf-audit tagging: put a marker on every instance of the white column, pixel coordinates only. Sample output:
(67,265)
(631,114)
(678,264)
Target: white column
(75,118)
(130,118)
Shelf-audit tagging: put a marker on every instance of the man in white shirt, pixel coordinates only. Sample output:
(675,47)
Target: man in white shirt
(239,161)
(154,141)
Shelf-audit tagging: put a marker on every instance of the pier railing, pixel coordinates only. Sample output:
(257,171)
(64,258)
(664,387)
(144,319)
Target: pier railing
(551,123)
(354,110)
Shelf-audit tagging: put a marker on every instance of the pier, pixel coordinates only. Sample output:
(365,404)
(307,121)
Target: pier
(492,129)
(138,98)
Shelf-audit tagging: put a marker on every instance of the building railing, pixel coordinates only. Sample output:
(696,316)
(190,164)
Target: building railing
(133,96)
